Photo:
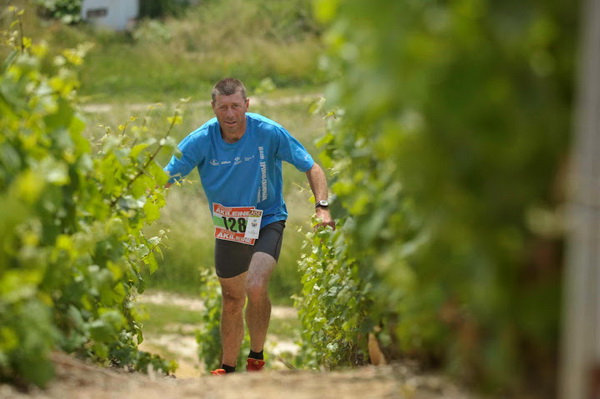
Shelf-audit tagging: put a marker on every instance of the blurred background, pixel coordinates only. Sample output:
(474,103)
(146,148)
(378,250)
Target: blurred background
(446,128)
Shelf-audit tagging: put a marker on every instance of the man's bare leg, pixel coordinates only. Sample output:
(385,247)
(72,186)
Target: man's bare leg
(258,310)
(232,321)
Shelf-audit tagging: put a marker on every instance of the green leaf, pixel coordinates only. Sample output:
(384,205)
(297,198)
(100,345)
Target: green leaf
(137,149)
(151,210)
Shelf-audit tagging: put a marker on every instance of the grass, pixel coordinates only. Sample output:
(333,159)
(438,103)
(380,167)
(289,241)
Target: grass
(285,328)
(163,318)
(163,60)
(159,319)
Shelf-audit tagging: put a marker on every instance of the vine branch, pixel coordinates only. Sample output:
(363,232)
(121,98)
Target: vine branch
(148,161)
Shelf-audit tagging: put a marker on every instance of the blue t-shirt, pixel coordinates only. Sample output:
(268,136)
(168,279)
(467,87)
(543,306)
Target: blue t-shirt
(244,173)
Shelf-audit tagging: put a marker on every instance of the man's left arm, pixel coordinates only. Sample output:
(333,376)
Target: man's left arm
(318,185)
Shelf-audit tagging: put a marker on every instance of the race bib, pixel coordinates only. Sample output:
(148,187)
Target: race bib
(237,223)
(253,224)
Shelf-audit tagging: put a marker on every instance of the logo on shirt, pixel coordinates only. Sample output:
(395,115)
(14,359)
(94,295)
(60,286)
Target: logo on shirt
(263,190)
(236,161)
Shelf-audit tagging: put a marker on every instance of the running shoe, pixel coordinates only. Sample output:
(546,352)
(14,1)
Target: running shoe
(218,372)
(254,365)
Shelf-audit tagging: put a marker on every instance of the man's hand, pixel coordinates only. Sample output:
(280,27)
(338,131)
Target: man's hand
(318,185)
(325,218)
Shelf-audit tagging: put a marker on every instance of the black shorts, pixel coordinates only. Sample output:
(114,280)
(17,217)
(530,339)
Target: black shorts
(233,258)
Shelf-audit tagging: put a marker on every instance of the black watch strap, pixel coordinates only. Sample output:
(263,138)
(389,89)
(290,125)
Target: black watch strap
(322,204)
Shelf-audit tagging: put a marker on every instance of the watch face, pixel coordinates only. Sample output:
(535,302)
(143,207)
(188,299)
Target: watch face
(323,203)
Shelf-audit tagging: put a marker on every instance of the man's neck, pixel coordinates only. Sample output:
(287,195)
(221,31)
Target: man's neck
(231,138)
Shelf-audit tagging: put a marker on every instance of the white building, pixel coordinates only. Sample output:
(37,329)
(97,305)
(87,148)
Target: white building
(111,14)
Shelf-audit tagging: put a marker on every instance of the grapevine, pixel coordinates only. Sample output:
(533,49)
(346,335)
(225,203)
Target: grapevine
(72,244)
(448,150)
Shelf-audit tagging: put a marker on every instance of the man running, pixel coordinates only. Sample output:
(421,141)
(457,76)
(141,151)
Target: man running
(239,158)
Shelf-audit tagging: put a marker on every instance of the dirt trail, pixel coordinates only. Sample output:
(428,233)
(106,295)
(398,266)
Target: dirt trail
(80,380)
(76,379)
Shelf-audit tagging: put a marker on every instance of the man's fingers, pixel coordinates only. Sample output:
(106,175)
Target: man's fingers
(325,224)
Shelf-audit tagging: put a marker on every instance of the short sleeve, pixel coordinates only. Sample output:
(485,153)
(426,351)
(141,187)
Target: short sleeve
(292,151)
(190,157)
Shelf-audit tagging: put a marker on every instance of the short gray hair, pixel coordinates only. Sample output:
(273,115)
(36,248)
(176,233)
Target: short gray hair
(227,87)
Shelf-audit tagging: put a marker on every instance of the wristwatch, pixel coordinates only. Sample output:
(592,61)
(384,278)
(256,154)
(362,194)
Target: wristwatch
(322,204)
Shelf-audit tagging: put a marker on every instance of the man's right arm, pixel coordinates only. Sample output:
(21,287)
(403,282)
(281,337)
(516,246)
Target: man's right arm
(189,158)
(318,185)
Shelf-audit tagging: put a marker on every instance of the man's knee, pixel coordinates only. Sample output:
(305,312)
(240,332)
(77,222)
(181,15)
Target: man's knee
(259,272)
(256,289)
(233,301)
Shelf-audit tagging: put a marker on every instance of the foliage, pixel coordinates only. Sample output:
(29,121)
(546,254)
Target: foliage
(67,11)
(448,148)
(163,8)
(333,305)
(72,241)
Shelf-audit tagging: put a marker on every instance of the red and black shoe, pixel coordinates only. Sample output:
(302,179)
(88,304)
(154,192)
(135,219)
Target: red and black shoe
(254,364)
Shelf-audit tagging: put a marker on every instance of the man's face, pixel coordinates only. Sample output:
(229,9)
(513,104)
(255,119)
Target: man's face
(231,113)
